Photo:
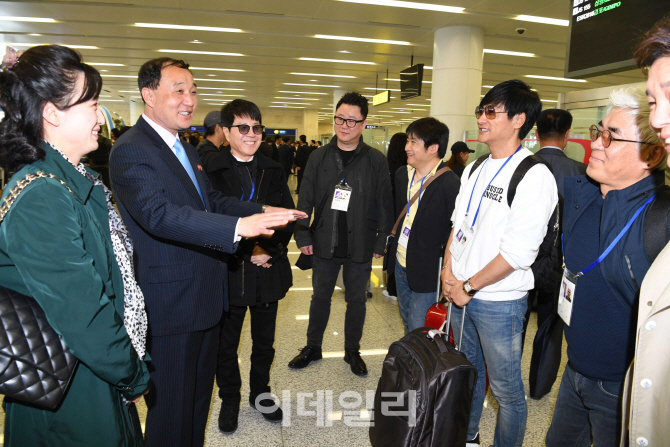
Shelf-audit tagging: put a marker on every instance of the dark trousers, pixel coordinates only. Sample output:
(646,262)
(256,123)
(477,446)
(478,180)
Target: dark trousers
(587,412)
(324,277)
(263,322)
(301,172)
(182,370)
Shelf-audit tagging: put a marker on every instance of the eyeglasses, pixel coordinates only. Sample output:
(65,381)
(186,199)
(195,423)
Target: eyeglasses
(350,122)
(244,128)
(607,137)
(489,111)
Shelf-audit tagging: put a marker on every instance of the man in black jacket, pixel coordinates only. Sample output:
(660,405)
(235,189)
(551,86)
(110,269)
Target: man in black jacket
(210,147)
(426,225)
(259,273)
(356,219)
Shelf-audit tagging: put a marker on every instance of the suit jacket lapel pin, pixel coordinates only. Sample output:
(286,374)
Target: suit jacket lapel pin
(199,168)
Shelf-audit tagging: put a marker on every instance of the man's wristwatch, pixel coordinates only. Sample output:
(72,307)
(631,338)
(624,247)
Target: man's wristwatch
(264,207)
(468,289)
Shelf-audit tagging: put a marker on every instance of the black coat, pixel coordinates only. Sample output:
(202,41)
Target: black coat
(285,153)
(370,214)
(271,189)
(430,229)
(561,165)
(301,156)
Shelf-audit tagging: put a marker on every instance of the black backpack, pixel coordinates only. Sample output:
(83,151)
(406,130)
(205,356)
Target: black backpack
(547,266)
(656,229)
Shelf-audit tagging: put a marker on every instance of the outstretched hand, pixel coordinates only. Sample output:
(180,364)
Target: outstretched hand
(264,224)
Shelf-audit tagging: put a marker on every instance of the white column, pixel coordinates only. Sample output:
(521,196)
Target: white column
(136,110)
(310,124)
(458,55)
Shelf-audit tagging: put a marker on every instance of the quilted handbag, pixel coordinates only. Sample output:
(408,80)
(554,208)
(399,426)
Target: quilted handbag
(36,367)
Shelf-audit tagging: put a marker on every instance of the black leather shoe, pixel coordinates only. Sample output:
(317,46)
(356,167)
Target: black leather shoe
(357,364)
(228,416)
(307,355)
(270,409)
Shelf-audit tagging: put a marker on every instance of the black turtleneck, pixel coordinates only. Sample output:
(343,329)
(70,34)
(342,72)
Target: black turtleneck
(246,171)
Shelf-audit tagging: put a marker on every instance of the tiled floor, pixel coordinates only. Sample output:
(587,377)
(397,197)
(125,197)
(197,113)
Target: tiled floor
(308,422)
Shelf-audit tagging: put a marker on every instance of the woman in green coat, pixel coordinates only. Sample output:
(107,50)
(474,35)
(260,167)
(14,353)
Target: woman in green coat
(63,244)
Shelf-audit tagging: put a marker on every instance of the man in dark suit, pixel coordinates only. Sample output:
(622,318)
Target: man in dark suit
(286,153)
(417,252)
(181,228)
(301,159)
(553,130)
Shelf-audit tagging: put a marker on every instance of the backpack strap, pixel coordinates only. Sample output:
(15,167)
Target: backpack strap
(656,229)
(520,172)
(477,163)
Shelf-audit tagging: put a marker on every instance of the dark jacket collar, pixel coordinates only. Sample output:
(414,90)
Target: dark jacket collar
(225,160)
(551,150)
(81,186)
(333,144)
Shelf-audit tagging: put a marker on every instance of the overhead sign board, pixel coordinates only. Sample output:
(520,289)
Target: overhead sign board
(381,98)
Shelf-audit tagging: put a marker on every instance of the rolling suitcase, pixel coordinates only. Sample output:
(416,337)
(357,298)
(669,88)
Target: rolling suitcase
(425,392)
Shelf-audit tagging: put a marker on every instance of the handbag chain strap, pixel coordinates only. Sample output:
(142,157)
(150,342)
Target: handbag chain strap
(8,201)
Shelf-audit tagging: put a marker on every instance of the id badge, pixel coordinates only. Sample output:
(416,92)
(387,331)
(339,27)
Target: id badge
(404,236)
(341,197)
(567,295)
(461,240)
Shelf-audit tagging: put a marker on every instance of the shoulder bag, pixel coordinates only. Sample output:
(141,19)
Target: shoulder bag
(36,367)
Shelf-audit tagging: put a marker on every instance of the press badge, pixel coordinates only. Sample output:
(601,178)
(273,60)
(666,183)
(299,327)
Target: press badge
(404,236)
(461,240)
(567,295)
(341,197)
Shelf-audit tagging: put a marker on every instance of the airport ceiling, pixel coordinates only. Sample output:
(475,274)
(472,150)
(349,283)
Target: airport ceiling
(268,40)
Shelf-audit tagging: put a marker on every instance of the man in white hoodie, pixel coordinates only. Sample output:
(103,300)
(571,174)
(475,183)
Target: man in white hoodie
(490,251)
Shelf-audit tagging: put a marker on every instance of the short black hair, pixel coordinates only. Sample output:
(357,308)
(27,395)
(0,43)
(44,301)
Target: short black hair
(286,139)
(150,72)
(354,99)
(209,130)
(553,123)
(303,138)
(430,131)
(239,108)
(516,97)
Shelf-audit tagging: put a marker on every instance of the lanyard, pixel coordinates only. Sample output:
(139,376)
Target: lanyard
(487,187)
(614,242)
(409,193)
(253,189)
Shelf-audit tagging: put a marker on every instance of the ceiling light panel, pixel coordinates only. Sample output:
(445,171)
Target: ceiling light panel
(508,53)
(337,61)
(361,39)
(297,99)
(547,20)
(312,85)
(216,80)
(211,53)
(552,78)
(76,47)
(325,75)
(103,64)
(215,69)
(410,5)
(303,93)
(26,19)
(186,27)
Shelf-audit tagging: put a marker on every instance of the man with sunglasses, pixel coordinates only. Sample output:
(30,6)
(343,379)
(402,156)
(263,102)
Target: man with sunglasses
(259,273)
(349,182)
(490,251)
(604,226)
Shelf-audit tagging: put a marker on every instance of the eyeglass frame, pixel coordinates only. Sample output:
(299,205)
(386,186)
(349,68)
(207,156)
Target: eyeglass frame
(483,111)
(251,128)
(346,121)
(601,133)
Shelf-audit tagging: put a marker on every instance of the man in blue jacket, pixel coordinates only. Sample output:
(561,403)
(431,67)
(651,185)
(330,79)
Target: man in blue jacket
(180,228)
(605,263)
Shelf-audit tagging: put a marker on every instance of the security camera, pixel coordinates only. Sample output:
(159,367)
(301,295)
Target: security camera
(520,30)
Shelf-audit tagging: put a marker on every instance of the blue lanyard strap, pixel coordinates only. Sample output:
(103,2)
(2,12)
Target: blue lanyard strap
(487,186)
(253,189)
(614,242)
(409,192)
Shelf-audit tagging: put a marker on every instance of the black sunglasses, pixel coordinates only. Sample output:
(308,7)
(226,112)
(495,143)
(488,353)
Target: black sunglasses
(244,128)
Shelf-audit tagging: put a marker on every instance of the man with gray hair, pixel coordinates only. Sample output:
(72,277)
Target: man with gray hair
(604,264)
